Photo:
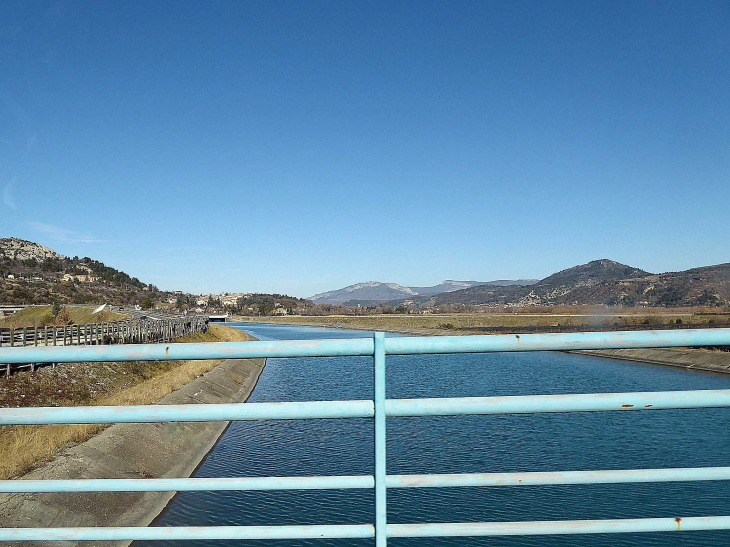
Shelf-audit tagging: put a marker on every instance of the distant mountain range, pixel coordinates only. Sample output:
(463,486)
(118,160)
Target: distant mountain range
(373,292)
(600,282)
(32,273)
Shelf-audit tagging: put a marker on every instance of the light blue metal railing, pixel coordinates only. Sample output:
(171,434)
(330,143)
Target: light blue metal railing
(378,408)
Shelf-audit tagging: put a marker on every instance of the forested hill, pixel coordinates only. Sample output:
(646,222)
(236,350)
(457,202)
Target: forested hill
(31,273)
(600,282)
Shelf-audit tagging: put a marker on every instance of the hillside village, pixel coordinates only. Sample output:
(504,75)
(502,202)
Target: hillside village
(31,273)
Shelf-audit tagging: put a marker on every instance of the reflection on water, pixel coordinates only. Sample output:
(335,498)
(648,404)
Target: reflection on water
(547,442)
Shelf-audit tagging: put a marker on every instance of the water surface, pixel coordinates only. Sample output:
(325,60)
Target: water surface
(463,444)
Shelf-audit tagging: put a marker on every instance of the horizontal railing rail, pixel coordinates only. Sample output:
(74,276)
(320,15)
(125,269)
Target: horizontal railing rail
(311,410)
(333,482)
(378,408)
(411,345)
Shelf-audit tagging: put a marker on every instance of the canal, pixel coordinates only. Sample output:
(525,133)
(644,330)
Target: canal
(462,444)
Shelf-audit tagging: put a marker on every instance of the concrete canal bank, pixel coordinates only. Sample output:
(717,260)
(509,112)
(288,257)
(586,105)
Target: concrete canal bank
(132,451)
(687,358)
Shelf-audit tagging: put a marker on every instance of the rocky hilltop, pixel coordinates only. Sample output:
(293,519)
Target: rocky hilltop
(31,273)
(13,248)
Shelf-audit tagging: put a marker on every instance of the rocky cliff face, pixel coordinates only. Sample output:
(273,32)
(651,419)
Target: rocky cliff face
(19,249)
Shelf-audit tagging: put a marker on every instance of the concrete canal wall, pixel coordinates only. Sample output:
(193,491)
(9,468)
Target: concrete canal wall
(131,451)
(687,358)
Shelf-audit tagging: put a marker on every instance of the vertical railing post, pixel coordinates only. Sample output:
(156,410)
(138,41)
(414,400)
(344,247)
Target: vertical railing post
(381,508)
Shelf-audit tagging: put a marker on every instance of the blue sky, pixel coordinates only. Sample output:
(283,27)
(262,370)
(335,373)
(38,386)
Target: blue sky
(302,146)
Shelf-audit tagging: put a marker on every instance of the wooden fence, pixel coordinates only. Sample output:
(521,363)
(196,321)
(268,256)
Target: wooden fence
(116,332)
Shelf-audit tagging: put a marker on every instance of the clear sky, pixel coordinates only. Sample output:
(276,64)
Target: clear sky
(302,146)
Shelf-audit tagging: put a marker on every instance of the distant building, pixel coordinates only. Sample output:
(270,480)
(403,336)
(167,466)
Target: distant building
(81,278)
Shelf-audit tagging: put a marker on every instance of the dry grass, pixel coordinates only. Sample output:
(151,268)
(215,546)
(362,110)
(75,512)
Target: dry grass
(41,316)
(24,447)
(465,322)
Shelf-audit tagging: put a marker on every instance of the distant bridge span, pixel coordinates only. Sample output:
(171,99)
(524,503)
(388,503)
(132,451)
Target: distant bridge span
(8,309)
(219,318)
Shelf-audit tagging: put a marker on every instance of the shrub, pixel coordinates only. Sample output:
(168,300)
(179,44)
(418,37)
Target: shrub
(62,317)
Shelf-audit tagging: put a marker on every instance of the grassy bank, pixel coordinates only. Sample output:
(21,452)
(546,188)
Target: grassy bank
(76,384)
(41,316)
(471,323)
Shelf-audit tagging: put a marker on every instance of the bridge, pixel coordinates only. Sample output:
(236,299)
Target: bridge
(221,318)
(160,328)
(8,309)
(378,408)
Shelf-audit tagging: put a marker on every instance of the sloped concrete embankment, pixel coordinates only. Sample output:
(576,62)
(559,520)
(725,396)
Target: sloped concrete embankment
(687,358)
(131,451)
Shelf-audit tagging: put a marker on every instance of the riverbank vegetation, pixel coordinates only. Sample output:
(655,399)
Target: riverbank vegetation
(78,384)
(481,323)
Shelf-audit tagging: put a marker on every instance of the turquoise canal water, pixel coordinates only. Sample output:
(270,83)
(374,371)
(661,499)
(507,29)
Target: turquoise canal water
(462,444)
